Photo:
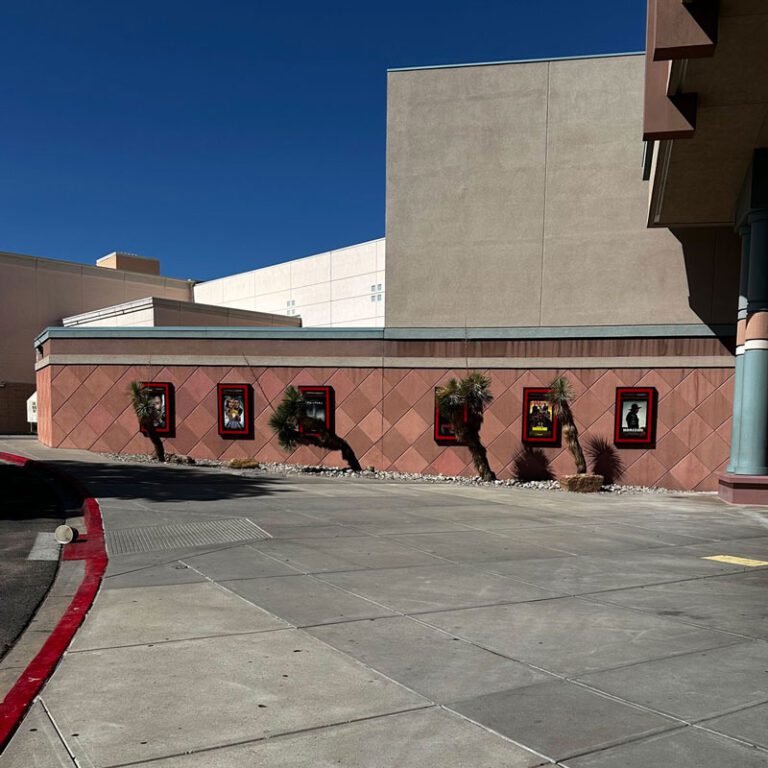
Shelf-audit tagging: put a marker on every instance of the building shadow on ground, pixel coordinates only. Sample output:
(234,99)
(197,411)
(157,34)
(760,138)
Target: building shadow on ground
(25,495)
(162,483)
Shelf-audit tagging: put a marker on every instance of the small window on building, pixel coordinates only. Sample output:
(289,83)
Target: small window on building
(378,298)
(378,287)
(373,297)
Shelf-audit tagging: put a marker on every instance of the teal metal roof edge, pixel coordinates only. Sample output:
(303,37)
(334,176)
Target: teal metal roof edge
(520,61)
(394,334)
(208,332)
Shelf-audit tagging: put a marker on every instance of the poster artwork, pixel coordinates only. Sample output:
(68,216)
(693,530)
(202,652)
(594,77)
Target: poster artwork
(444,433)
(234,410)
(160,400)
(539,418)
(318,406)
(634,416)
(315,406)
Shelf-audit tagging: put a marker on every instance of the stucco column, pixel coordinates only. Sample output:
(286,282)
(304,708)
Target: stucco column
(753,437)
(741,327)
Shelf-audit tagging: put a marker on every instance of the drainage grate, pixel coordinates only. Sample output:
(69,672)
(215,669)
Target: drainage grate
(160,537)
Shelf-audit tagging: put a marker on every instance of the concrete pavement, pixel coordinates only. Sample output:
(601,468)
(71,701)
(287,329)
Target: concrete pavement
(379,625)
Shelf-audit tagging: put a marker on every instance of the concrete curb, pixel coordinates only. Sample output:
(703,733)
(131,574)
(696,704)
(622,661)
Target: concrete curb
(90,548)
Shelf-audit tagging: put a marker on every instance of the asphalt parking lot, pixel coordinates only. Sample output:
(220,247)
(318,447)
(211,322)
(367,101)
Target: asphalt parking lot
(29,513)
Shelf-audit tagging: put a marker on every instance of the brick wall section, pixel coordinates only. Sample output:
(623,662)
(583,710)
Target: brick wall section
(386,414)
(13,407)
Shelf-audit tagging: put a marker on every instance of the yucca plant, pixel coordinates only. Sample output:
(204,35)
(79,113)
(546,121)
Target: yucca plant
(144,408)
(560,395)
(293,427)
(462,402)
(605,459)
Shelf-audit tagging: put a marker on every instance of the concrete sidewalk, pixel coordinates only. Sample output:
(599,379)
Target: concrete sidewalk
(367,624)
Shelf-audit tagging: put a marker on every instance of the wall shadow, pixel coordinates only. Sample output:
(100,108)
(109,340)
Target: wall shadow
(26,495)
(157,482)
(712,262)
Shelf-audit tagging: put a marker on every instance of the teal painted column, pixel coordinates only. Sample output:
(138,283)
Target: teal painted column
(741,326)
(753,437)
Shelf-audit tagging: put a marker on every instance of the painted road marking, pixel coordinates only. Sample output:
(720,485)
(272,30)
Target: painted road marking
(735,560)
(45,548)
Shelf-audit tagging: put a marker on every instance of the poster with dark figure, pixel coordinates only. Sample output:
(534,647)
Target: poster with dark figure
(635,417)
(444,434)
(318,406)
(235,410)
(539,419)
(161,398)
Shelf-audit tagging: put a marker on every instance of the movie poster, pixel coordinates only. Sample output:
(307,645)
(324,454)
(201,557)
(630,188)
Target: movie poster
(161,399)
(318,406)
(634,416)
(444,433)
(234,409)
(539,419)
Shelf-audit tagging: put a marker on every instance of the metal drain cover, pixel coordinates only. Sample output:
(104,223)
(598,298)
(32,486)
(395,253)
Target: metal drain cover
(154,538)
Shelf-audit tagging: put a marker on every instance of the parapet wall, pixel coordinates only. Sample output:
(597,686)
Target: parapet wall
(384,389)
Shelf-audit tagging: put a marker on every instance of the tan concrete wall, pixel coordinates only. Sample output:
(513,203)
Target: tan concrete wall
(130,263)
(207,315)
(13,407)
(36,293)
(515,198)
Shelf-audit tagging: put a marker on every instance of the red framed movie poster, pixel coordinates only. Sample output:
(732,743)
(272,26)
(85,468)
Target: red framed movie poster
(539,418)
(319,405)
(161,397)
(635,424)
(235,409)
(444,434)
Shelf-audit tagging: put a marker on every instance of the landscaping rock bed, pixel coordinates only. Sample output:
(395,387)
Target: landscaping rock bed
(374,474)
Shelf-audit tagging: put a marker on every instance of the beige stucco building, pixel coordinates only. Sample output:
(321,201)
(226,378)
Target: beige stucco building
(515,198)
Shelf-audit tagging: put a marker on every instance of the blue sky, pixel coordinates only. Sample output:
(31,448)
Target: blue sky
(221,137)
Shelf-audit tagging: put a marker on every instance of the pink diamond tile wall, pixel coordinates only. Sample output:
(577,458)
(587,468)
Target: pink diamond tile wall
(387,416)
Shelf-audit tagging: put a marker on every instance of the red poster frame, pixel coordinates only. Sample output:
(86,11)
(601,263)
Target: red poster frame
(554,439)
(170,413)
(441,439)
(247,392)
(649,440)
(328,394)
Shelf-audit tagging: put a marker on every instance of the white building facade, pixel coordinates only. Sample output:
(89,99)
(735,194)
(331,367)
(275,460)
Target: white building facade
(335,289)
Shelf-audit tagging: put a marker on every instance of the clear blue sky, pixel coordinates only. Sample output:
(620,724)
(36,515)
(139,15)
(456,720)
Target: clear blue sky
(224,136)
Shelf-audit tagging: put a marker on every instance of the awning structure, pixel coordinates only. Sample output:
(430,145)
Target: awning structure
(706,106)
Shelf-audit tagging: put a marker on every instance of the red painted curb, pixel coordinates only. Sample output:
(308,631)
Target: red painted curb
(91,549)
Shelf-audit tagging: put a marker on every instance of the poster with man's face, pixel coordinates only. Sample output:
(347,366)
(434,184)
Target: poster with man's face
(234,411)
(634,416)
(159,394)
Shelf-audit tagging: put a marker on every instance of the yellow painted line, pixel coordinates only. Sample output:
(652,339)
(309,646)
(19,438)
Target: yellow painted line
(735,560)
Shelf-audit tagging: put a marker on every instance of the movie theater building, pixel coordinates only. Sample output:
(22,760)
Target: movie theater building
(530,232)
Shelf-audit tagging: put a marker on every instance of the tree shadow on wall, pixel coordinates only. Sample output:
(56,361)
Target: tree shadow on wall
(532,464)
